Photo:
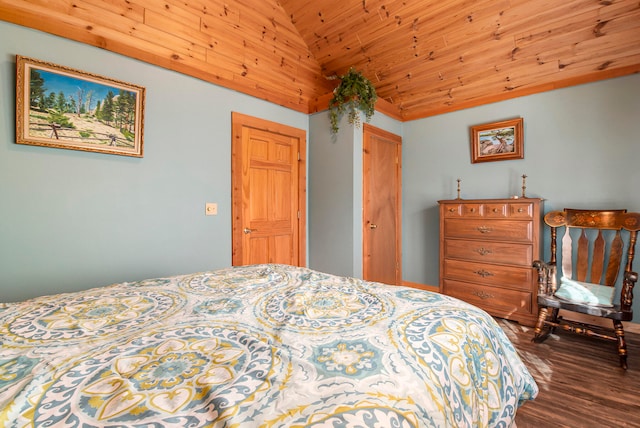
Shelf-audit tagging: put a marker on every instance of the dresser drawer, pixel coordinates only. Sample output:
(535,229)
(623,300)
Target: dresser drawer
(451,210)
(501,300)
(517,210)
(463,209)
(521,210)
(520,278)
(496,210)
(489,252)
(506,230)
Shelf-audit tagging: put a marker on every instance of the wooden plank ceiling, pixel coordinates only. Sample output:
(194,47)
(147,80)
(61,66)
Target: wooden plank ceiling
(425,57)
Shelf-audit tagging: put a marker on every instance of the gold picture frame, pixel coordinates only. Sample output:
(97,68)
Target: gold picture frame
(57,106)
(497,141)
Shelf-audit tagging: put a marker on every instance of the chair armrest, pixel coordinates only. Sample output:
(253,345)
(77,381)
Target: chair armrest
(626,295)
(547,281)
(539,264)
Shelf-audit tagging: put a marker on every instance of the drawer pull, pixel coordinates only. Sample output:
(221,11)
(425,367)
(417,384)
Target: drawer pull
(483,251)
(520,210)
(482,294)
(484,229)
(483,273)
(451,210)
(472,210)
(495,210)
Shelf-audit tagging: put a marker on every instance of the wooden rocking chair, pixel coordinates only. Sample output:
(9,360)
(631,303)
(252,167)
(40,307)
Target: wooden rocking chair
(595,248)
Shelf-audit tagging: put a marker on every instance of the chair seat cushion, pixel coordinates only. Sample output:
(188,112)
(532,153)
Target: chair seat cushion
(585,292)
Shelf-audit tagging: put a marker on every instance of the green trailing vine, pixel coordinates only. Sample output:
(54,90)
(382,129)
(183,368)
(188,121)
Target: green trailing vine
(354,93)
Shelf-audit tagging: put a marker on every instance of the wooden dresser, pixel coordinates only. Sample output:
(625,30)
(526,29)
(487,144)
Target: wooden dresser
(487,247)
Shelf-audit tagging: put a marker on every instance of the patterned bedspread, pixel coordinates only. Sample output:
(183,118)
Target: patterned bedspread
(256,346)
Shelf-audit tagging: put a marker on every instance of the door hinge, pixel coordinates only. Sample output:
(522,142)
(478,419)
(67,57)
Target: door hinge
(299,158)
(298,214)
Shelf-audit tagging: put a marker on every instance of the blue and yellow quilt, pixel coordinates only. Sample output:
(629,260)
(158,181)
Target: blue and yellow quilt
(256,346)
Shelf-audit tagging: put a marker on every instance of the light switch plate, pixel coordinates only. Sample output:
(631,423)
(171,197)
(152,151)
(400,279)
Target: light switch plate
(211,208)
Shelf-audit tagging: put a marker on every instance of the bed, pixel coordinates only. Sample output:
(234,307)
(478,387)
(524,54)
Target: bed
(256,346)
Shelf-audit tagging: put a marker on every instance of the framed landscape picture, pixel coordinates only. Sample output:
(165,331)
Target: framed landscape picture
(58,106)
(497,141)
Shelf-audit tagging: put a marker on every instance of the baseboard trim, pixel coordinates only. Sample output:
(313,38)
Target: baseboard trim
(632,327)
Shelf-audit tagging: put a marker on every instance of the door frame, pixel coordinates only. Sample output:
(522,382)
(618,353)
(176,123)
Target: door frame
(240,121)
(369,130)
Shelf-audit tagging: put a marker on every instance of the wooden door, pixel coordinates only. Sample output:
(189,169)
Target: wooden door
(268,192)
(382,159)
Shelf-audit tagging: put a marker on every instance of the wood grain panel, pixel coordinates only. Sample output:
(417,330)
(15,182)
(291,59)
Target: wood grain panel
(494,300)
(488,252)
(489,274)
(423,57)
(484,230)
(256,49)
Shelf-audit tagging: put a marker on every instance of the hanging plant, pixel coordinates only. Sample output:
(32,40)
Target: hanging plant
(354,93)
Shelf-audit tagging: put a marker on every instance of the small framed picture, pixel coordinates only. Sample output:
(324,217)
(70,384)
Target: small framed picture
(497,141)
(60,107)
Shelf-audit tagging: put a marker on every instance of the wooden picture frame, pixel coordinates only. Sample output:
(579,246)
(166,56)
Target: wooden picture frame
(497,141)
(60,107)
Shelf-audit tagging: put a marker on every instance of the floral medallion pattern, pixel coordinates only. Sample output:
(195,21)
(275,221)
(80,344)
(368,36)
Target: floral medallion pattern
(74,318)
(204,370)
(318,304)
(356,358)
(266,345)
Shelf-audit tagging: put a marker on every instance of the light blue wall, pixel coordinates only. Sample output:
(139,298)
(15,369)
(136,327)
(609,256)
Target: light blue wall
(72,220)
(331,197)
(581,150)
(335,193)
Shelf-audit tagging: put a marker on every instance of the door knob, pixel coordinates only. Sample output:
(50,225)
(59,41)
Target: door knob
(373,226)
(247,230)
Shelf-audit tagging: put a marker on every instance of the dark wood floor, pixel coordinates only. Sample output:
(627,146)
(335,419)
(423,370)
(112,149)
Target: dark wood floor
(580,380)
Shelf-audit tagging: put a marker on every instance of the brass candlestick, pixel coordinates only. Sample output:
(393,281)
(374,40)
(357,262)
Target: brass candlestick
(524,185)
(459,188)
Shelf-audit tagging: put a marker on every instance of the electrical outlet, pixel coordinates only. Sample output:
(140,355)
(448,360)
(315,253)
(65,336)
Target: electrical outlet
(211,208)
